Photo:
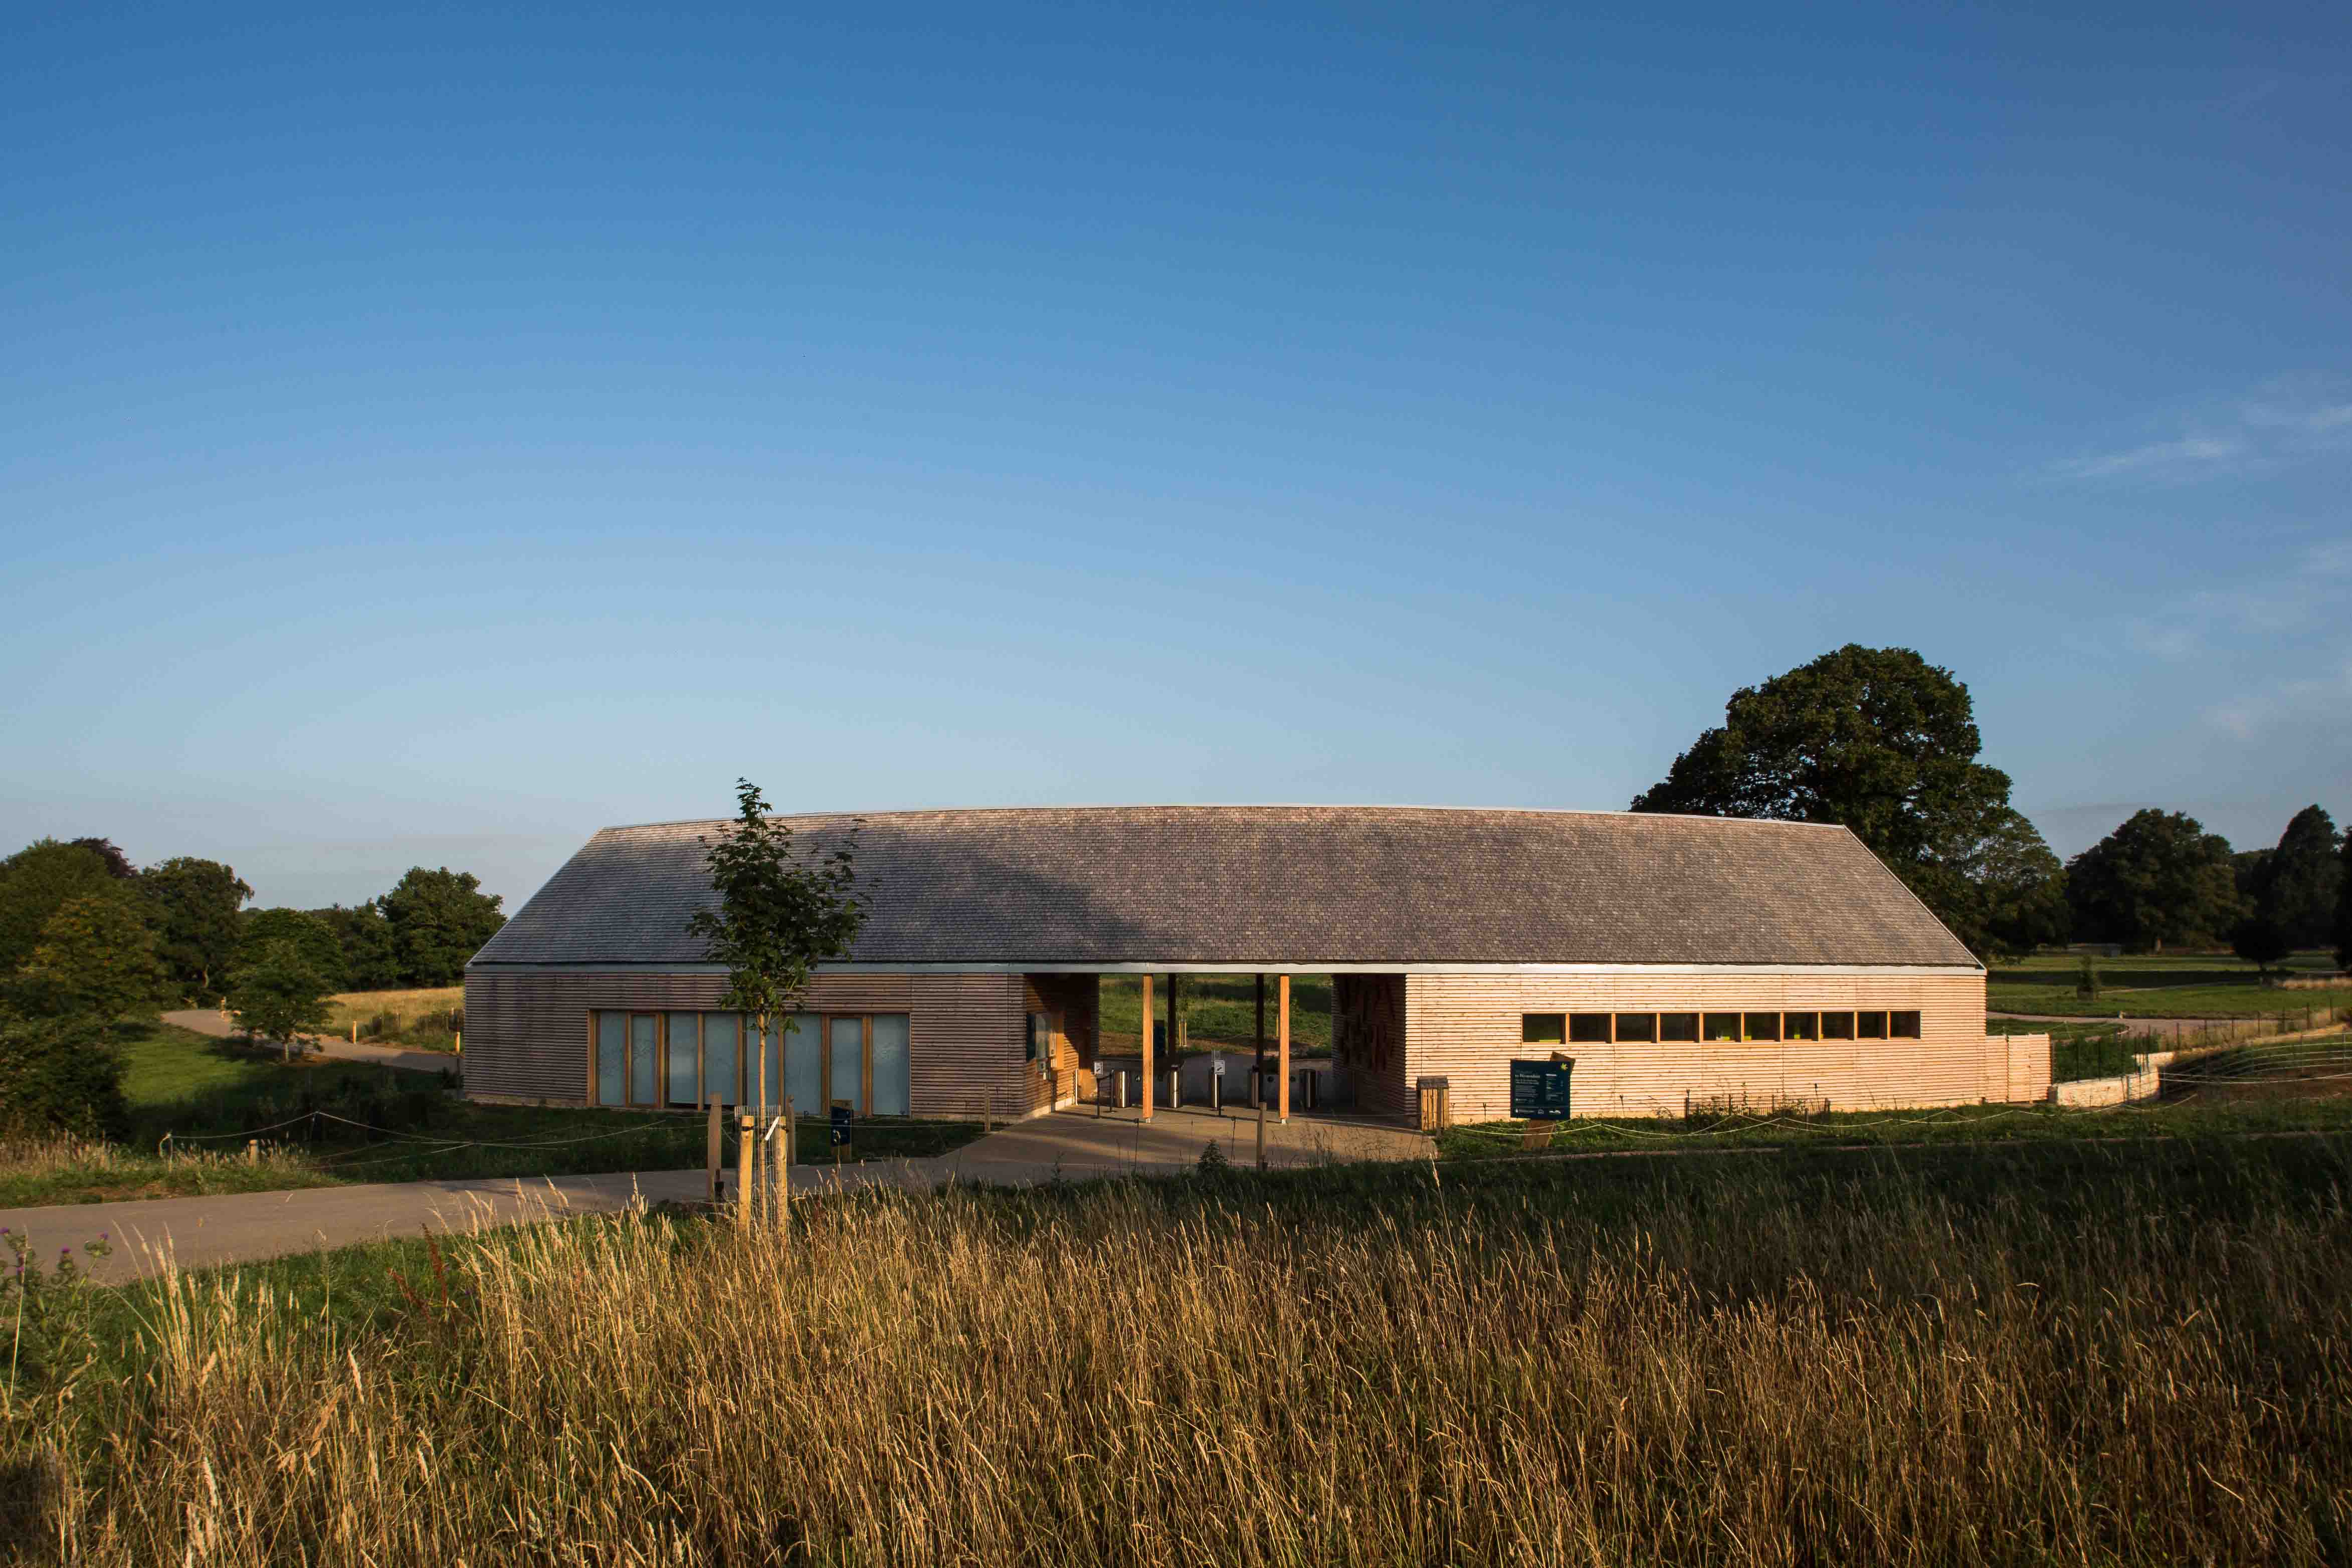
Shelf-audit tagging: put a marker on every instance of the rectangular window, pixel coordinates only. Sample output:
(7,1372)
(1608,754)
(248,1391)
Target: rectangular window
(846,1079)
(612,1058)
(1723,1025)
(804,1073)
(1870,1025)
(685,1057)
(722,1055)
(1801,1025)
(1762,1026)
(1637,1026)
(1543,1028)
(1837,1026)
(645,1060)
(1589,1028)
(1903,1026)
(1679,1027)
(893,1063)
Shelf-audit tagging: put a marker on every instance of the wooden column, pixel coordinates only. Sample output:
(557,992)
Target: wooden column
(1146,1101)
(1281,1043)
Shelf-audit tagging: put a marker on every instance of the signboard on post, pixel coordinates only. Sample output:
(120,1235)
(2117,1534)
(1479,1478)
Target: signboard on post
(1539,1089)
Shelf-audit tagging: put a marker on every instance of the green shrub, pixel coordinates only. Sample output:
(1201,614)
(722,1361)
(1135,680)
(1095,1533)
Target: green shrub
(59,1075)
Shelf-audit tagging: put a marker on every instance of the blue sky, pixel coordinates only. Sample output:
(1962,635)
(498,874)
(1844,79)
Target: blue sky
(432,436)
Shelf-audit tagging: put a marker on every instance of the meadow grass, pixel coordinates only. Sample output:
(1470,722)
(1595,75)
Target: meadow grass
(415,1018)
(2049,1353)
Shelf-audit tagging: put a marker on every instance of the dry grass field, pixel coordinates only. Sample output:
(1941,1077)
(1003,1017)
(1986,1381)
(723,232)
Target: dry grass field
(2085,1354)
(415,1015)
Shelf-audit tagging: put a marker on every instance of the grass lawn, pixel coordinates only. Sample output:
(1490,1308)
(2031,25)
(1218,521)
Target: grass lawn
(2186,985)
(2127,1352)
(209,1094)
(1221,1010)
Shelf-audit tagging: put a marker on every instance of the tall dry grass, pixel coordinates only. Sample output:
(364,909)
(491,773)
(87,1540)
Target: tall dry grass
(1739,1373)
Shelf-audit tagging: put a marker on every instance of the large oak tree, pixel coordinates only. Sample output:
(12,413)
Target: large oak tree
(2157,877)
(1885,744)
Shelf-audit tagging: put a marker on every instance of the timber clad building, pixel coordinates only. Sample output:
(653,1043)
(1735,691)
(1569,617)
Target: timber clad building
(1675,958)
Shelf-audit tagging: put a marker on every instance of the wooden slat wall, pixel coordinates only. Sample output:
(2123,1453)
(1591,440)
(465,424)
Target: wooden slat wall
(969,1048)
(528,1032)
(1467,1028)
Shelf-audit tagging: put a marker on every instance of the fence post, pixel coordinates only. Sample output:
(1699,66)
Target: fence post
(744,1191)
(253,1151)
(710,1155)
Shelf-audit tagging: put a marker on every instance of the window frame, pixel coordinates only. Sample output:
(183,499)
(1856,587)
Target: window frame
(1646,1029)
(1698,1029)
(1606,1022)
(1897,1017)
(1870,1024)
(1527,1026)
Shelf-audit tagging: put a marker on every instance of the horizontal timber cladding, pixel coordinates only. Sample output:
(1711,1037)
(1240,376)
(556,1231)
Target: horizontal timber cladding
(1466,1027)
(527,1033)
(971,1055)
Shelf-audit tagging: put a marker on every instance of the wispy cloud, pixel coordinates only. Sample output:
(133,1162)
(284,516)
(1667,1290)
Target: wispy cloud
(2288,420)
(2297,597)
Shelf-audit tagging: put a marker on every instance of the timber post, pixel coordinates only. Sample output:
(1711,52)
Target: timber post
(1145,1114)
(745,1190)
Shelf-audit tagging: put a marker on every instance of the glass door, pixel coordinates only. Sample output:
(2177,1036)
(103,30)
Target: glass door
(845,1062)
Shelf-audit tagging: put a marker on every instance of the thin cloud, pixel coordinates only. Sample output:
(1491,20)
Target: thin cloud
(2288,420)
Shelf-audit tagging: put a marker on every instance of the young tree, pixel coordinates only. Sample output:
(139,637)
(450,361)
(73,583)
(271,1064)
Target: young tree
(312,937)
(438,919)
(35,882)
(95,961)
(277,996)
(781,913)
(1884,742)
(195,905)
(2157,877)
(2299,883)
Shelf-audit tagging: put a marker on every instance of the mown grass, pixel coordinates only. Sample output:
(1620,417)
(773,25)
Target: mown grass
(195,1100)
(2045,1353)
(1219,1010)
(2188,986)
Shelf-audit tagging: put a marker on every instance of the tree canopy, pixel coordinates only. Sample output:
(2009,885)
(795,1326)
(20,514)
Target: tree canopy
(35,882)
(95,961)
(437,920)
(2157,877)
(2298,883)
(312,937)
(196,905)
(1887,743)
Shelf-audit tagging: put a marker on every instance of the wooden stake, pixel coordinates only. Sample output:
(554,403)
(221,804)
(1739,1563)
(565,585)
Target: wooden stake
(1282,1045)
(784,1165)
(711,1156)
(1146,1114)
(743,1187)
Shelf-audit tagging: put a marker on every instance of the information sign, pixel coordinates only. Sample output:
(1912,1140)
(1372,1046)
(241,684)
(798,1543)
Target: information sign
(1539,1089)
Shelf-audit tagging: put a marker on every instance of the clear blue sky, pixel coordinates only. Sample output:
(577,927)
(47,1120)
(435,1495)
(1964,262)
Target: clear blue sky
(431,436)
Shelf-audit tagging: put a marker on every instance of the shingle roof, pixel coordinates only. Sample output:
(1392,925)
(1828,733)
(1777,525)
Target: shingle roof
(1277,885)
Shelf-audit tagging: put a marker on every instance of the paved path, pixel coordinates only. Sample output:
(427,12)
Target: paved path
(208,1021)
(150,1234)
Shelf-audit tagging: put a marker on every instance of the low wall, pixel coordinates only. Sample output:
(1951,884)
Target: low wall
(2142,1084)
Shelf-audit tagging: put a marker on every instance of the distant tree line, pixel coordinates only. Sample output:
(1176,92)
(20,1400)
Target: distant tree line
(72,912)
(1884,742)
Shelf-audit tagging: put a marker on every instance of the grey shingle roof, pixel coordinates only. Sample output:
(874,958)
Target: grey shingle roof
(1276,885)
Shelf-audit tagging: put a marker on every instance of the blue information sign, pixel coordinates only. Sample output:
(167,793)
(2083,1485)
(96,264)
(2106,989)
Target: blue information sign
(842,1113)
(1539,1089)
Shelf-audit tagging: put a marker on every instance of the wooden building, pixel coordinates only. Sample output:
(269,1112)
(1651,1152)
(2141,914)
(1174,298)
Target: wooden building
(1672,958)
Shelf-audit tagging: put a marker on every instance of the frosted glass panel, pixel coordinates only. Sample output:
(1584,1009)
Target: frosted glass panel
(805,1066)
(644,1060)
(612,1058)
(722,1039)
(893,1085)
(772,1053)
(682,1048)
(849,1062)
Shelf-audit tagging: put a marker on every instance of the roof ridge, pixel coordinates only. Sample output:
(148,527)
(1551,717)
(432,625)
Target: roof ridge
(1244,805)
